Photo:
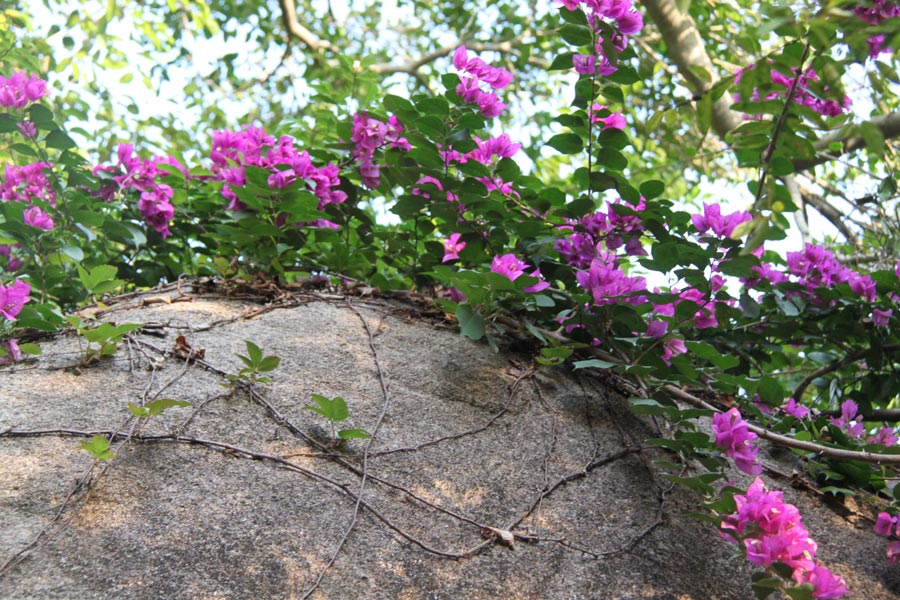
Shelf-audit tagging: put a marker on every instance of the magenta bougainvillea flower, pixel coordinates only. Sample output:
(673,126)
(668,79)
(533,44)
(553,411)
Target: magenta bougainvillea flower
(733,435)
(35,217)
(794,409)
(474,72)
(608,283)
(614,120)
(673,347)
(539,286)
(600,14)
(881,318)
(13,298)
(452,247)
(19,90)
(509,266)
(721,225)
(848,421)
(27,129)
(13,352)
(370,135)
(156,208)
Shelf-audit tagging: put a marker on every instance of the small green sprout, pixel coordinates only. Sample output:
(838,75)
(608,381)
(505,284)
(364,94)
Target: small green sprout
(99,447)
(335,410)
(255,363)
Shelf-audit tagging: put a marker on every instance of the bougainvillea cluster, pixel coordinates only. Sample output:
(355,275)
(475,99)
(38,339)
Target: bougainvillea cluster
(477,82)
(369,136)
(597,246)
(132,172)
(601,16)
(771,531)
(782,85)
(816,268)
(875,13)
(21,89)
(738,441)
(233,151)
(889,526)
(26,183)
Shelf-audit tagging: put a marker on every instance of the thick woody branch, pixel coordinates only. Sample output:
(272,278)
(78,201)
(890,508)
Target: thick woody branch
(296,30)
(687,51)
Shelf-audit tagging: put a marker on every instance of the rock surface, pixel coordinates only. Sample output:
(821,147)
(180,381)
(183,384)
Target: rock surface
(243,495)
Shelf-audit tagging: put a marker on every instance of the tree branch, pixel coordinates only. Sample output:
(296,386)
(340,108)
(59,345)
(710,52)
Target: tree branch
(687,51)
(295,29)
(888,125)
(789,442)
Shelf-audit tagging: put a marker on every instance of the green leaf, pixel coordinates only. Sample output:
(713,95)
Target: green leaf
(254,352)
(800,592)
(575,17)
(30,349)
(9,124)
(749,306)
(577,35)
(73,252)
(99,447)
(566,143)
(740,266)
(398,105)
(462,135)
(59,140)
(333,409)
(593,364)
(269,363)
(98,274)
(787,306)
(651,189)
(770,391)
(40,114)
(615,160)
(349,434)
(873,137)
(151,409)
(704,113)
(471,324)
(712,354)
(647,406)
(339,410)
(561,62)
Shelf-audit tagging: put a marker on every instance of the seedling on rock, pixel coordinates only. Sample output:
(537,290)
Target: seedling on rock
(106,336)
(256,364)
(335,410)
